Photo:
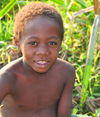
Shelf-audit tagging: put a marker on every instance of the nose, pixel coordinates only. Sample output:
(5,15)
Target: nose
(43,50)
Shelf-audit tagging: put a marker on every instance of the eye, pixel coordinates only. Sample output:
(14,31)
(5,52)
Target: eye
(33,43)
(52,43)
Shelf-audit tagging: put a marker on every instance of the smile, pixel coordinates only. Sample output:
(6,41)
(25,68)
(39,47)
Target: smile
(42,64)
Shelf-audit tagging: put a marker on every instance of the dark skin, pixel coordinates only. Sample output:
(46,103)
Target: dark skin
(38,84)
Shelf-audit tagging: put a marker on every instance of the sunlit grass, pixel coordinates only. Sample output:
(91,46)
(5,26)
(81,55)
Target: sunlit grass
(74,46)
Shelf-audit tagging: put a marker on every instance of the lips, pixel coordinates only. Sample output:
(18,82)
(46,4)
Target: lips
(42,63)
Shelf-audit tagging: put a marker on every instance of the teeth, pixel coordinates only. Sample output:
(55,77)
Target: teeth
(41,62)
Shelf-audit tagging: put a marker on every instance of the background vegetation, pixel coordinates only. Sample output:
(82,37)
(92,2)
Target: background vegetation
(75,46)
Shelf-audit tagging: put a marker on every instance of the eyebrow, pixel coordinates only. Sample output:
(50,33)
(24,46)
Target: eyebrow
(38,38)
(32,37)
(53,37)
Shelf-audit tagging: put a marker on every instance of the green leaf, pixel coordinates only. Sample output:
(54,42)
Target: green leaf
(12,46)
(60,2)
(89,60)
(8,56)
(7,8)
(2,43)
(82,3)
(98,112)
(96,94)
(79,115)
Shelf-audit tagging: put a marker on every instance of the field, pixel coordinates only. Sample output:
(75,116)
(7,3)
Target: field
(80,47)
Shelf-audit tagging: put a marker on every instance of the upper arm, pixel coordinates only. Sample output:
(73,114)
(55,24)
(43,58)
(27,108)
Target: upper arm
(65,102)
(6,83)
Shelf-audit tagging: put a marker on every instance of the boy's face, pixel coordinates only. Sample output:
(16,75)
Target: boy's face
(40,43)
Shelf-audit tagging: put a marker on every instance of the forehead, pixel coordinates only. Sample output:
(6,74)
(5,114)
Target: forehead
(41,20)
(41,23)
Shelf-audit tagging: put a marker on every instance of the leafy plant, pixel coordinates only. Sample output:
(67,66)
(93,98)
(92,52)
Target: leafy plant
(98,112)
(4,54)
(78,115)
(89,60)
(74,46)
(7,8)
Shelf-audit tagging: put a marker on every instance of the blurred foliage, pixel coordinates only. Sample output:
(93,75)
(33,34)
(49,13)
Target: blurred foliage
(74,46)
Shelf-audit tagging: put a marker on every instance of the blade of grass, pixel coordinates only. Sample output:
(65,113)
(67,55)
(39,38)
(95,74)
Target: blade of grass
(98,112)
(0,31)
(7,8)
(82,2)
(89,59)
(60,2)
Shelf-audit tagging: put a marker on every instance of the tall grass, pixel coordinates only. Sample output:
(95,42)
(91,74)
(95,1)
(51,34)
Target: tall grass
(7,8)
(74,46)
(6,26)
(89,60)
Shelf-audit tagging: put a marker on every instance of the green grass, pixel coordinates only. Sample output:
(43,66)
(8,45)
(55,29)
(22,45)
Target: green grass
(74,47)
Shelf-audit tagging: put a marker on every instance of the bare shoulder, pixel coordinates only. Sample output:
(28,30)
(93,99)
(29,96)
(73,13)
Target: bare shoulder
(9,69)
(68,74)
(8,78)
(7,73)
(66,69)
(66,66)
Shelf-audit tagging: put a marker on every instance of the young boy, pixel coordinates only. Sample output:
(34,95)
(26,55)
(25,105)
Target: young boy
(37,84)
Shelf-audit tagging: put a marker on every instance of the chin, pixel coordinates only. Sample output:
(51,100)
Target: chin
(41,71)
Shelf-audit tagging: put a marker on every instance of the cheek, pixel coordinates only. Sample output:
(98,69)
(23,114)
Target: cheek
(55,52)
(58,48)
(25,50)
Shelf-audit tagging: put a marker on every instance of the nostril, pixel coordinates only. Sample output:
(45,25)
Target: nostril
(42,53)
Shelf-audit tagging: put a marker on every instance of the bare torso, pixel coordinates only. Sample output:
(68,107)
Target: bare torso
(34,95)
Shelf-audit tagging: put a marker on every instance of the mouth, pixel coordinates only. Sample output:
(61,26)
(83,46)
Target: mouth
(42,64)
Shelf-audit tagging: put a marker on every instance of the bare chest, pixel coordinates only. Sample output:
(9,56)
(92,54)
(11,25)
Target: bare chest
(37,94)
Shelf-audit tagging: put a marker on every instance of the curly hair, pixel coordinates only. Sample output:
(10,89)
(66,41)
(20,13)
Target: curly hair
(36,9)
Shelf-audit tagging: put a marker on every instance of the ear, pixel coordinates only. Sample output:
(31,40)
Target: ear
(16,42)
